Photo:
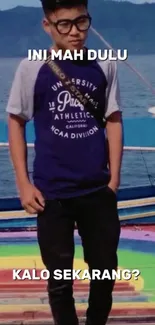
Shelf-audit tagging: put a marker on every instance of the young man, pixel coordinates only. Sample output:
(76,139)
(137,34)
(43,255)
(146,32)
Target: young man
(74,179)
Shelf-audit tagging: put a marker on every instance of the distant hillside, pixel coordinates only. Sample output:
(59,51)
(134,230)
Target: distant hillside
(123,24)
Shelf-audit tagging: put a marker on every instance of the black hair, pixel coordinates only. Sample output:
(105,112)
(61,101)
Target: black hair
(51,5)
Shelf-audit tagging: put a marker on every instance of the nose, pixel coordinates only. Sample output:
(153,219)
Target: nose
(74,30)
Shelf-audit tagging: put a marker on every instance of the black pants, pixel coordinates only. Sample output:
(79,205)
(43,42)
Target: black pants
(99,227)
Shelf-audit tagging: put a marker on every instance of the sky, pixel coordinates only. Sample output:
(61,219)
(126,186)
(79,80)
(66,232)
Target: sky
(36,3)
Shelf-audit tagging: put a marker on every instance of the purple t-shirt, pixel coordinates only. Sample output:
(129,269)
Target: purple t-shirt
(70,152)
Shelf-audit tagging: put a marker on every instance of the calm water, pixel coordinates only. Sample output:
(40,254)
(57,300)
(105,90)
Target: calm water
(136,99)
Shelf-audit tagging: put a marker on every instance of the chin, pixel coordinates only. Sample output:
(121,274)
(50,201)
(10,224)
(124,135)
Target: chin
(76,47)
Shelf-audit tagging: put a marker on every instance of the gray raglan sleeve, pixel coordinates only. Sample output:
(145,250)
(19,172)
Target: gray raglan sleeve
(21,95)
(112,100)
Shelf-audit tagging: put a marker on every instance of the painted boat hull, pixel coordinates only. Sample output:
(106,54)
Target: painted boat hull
(135,206)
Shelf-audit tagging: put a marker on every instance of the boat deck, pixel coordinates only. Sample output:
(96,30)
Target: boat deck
(25,301)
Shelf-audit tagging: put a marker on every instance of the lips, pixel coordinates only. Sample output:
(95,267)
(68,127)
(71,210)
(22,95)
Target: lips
(75,41)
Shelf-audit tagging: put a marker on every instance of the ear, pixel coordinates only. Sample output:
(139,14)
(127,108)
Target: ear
(46,26)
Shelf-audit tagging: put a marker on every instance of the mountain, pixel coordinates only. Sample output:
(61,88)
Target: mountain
(123,24)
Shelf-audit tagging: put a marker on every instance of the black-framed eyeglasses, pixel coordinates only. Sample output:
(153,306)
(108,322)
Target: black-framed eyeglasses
(64,26)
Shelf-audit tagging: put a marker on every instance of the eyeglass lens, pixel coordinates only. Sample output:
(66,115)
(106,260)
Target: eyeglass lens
(82,24)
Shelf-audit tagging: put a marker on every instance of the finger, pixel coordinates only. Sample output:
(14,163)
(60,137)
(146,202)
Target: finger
(40,198)
(36,206)
(30,210)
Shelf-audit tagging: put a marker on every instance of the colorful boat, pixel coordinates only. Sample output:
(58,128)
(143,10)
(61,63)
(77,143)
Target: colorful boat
(136,204)
(134,299)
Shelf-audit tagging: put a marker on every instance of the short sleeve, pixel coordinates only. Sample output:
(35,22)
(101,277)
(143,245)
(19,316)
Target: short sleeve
(112,96)
(21,97)
(17,103)
(113,100)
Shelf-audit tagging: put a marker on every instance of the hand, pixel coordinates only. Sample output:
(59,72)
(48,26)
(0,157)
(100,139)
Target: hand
(113,187)
(31,198)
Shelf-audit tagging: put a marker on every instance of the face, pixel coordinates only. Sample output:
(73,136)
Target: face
(64,34)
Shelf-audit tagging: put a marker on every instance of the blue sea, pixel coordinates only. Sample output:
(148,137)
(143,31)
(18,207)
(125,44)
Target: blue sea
(136,99)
